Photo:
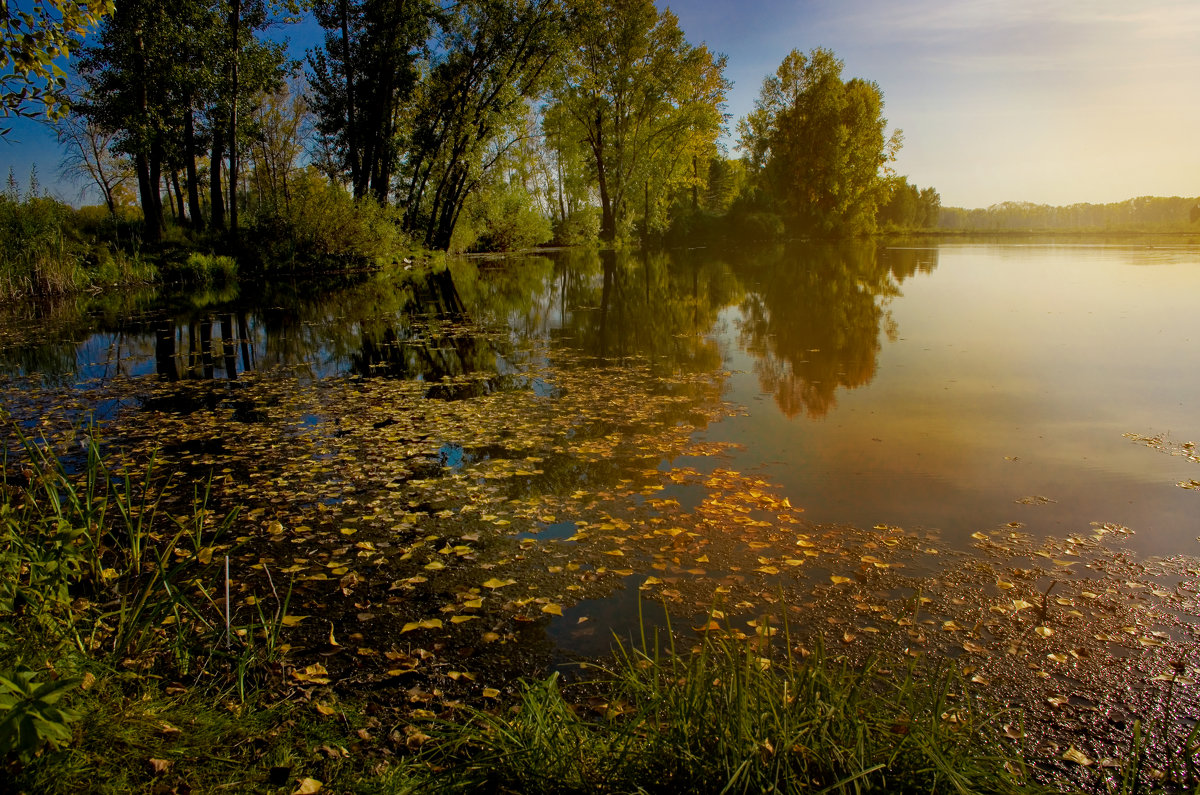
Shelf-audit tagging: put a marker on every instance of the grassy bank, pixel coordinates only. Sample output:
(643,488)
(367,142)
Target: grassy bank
(121,670)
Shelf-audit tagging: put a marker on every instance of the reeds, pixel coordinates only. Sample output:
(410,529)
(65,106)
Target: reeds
(732,717)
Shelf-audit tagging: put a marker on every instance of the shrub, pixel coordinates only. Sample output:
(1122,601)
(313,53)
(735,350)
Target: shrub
(580,228)
(503,218)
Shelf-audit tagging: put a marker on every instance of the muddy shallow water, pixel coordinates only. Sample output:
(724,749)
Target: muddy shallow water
(976,453)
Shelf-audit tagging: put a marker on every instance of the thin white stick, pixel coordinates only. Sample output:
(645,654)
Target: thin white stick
(227,638)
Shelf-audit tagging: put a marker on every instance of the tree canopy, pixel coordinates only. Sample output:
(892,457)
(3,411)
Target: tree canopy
(817,146)
(31,39)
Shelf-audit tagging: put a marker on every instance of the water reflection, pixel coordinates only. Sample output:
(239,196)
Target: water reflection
(814,316)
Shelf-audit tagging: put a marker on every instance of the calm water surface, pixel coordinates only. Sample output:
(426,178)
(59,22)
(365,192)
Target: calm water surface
(952,387)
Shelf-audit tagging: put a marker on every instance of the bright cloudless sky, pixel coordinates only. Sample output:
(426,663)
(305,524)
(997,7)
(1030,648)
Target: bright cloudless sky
(1049,101)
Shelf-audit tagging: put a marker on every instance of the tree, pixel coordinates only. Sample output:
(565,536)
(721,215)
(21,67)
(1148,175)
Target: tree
(31,84)
(642,99)
(363,80)
(89,155)
(162,76)
(496,55)
(817,147)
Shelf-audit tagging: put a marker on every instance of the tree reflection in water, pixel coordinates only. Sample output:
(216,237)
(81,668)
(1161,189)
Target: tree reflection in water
(813,317)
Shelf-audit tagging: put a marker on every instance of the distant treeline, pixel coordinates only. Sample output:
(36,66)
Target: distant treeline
(1145,213)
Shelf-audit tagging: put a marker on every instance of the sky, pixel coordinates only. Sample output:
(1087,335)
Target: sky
(1046,101)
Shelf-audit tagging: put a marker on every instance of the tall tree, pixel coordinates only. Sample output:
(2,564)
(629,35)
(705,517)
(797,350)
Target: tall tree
(494,56)
(89,156)
(161,76)
(640,96)
(364,79)
(817,145)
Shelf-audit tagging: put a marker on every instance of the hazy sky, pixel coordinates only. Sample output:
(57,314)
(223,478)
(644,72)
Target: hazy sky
(1050,101)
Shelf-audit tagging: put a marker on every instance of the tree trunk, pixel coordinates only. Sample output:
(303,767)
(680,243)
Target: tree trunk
(608,226)
(189,164)
(235,23)
(178,196)
(216,192)
(351,115)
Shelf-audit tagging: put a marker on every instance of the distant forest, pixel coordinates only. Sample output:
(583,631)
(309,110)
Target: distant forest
(1145,213)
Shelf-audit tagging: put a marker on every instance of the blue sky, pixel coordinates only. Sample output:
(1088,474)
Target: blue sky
(1050,101)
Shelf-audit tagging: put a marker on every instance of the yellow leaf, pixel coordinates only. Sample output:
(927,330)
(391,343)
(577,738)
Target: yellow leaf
(838,579)
(308,786)
(435,565)
(496,583)
(291,621)
(1076,756)
(462,619)
(552,609)
(1045,632)
(325,709)
(491,692)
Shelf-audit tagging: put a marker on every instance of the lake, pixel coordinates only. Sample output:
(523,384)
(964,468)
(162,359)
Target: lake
(906,444)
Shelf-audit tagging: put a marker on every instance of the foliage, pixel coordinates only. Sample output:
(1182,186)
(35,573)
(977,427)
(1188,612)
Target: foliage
(30,715)
(494,58)
(322,224)
(1143,214)
(363,84)
(502,218)
(156,71)
(909,207)
(578,228)
(33,36)
(36,257)
(646,103)
(817,146)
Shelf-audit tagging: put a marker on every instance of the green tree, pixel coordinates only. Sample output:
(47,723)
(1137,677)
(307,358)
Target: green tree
(644,101)
(817,145)
(363,83)
(31,84)
(162,76)
(495,56)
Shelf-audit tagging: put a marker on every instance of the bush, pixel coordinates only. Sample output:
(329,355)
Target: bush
(321,222)
(503,218)
(580,228)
